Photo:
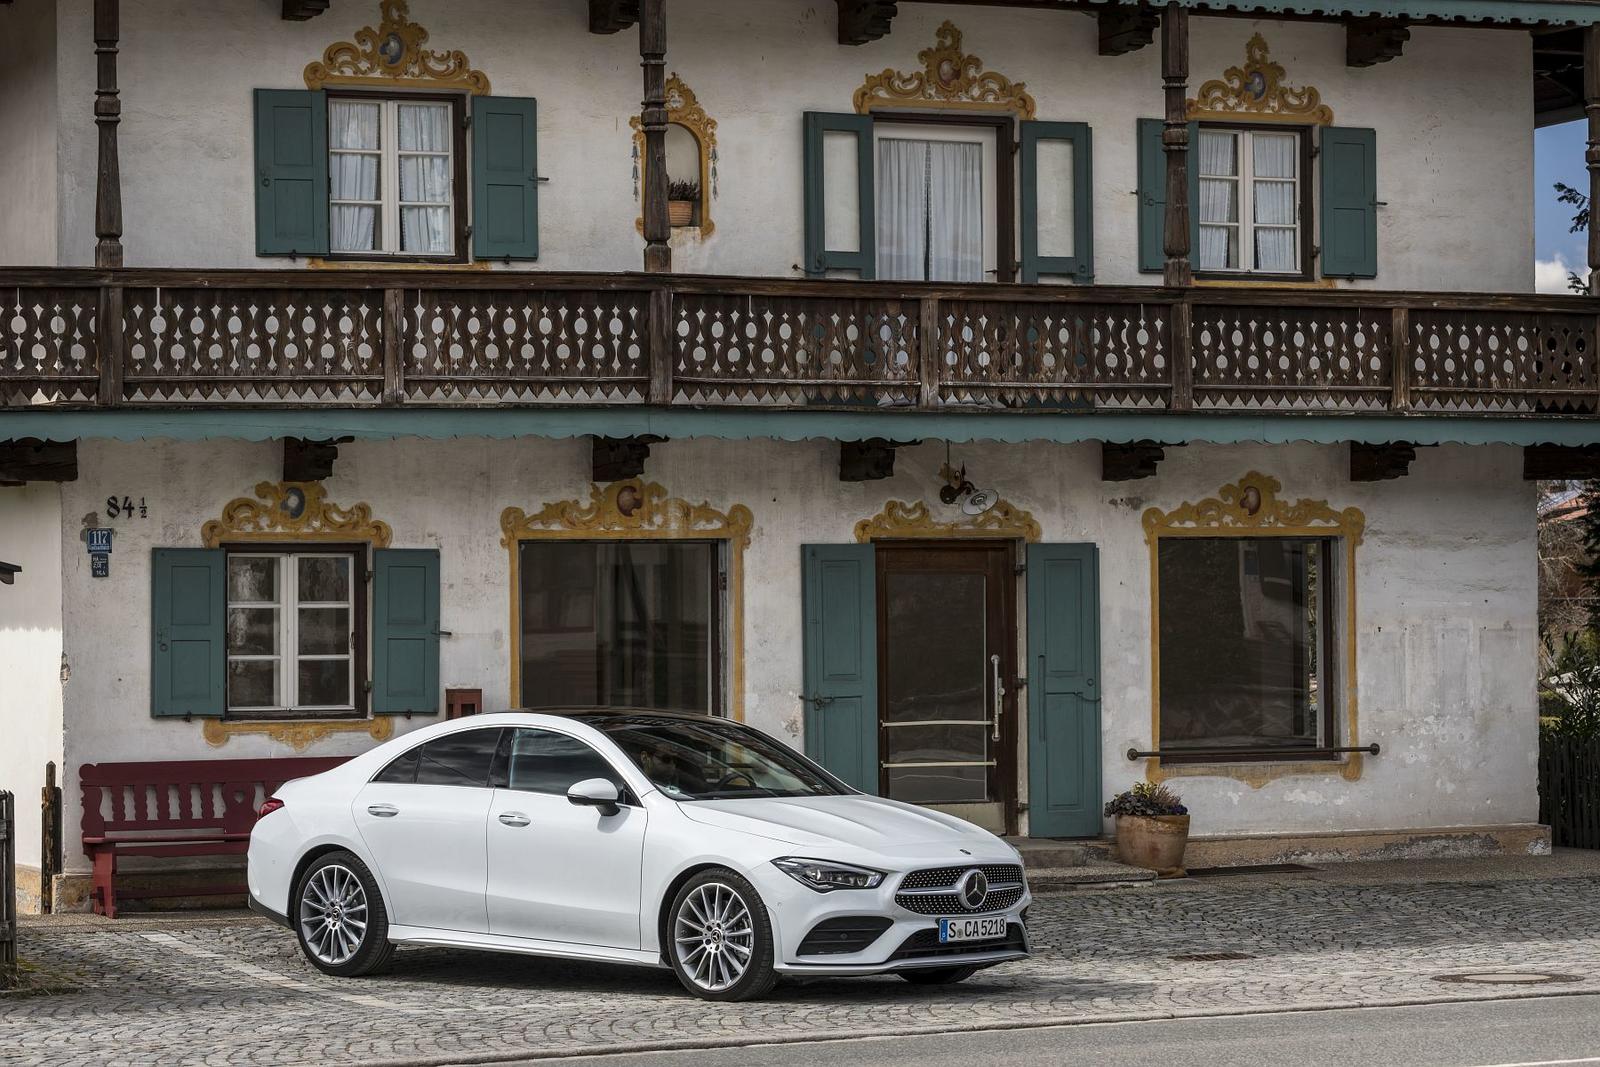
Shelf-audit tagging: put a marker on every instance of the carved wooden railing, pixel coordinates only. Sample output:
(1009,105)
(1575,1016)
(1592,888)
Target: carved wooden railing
(71,337)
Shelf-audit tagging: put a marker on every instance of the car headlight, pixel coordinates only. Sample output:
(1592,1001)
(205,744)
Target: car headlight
(825,875)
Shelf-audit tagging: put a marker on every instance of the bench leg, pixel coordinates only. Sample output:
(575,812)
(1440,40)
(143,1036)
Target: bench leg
(104,891)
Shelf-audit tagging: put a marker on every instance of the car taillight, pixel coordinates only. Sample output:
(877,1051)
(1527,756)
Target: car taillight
(272,805)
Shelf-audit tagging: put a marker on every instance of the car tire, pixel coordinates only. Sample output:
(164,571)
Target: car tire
(339,917)
(938,975)
(716,925)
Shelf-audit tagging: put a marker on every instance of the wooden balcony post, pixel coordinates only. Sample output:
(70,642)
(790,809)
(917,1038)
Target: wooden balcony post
(108,342)
(394,380)
(1175,142)
(107,116)
(1400,359)
(1182,328)
(660,350)
(653,121)
(928,352)
(1591,107)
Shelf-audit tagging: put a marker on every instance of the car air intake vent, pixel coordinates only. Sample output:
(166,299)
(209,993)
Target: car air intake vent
(924,944)
(940,890)
(844,933)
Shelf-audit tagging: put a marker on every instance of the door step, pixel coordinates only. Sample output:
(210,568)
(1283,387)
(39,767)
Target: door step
(1039,853)
(1096,875)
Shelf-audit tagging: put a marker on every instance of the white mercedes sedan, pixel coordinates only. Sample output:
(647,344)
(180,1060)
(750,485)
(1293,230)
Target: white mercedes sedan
(644,838)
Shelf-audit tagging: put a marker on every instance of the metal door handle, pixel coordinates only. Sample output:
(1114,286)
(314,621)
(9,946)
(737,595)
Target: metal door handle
(999,694)
(515,818)
(383,811)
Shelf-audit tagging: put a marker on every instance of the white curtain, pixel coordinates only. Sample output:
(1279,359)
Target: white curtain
(1219,201)
(902,209)
(955,211)
(424,178)
(353,173)
(1274,157)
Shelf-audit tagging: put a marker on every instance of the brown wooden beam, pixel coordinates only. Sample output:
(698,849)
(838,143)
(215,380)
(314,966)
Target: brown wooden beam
(309,461)
(615,459)
(653,121)
(1542,463)
(612,16)
(1126,29)
(107,116)
(869,460)
(861,21)
(1175,142)
(301,10)
(1373,40)
(1130,461)
(31,460)
(1591,107)
(1381,462)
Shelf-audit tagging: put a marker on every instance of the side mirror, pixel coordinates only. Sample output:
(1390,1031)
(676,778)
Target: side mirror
(595,793)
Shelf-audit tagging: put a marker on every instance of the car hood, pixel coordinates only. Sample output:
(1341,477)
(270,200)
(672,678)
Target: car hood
(870,823)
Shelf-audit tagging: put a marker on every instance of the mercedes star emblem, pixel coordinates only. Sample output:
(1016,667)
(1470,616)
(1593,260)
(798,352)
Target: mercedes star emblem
(973,888)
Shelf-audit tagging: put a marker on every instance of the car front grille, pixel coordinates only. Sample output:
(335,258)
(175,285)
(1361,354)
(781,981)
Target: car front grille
(919,891)
(924,944)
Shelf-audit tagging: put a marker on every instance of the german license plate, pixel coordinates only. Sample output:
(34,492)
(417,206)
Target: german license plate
(985,928)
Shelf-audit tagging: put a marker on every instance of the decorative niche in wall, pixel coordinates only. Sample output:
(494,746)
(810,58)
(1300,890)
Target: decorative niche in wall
(949,79)
(392,54)
(1256,91)
(691,161)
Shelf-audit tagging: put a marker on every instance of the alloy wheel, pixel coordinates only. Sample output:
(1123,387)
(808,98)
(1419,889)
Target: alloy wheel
(714,937)
(333,914)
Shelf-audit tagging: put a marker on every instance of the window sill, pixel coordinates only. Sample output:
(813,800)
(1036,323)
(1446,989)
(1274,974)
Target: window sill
(387,263)
(1257,281)
(1299,755)
(298,733)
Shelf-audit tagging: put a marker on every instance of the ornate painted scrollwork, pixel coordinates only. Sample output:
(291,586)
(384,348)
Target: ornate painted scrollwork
(1252,503)
(1257,91)
(949,78)
(298,735)
(392,53)
(293,511)
(900,518)
(684,109)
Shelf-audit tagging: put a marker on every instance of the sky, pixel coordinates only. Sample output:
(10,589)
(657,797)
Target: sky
(1558,157)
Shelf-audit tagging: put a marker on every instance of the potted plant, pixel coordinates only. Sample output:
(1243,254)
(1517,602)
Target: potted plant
(682,198)
(1152,828)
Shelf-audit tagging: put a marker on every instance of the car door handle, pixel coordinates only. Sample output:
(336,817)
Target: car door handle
(515,818)
(383,811)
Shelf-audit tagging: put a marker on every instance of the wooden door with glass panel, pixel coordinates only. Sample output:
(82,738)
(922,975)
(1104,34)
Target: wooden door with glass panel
(946,649)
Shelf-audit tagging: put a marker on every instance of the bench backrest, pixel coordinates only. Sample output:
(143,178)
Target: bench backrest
(185,795)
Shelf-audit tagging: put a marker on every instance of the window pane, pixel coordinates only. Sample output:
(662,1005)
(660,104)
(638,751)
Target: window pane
(458,759)
(325,579)
(424,127)
(253,579)
(1219,248)
(253,684)
(253,631)
(403,769)
(619,624)
(1275,203)
(324,631)
(425,229)
(1275,250)
(708,759)
(353,124)
(1241,621)
(323,682)
(902,215)
(425,179)
(1274,154)
(1217,155)
(939,785)
(355,229)
(543,762)
(1219,201)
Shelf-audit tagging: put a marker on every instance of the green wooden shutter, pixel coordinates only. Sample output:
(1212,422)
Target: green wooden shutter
(1349,161)
(505,177)
(1063,695)
(405,631)
(1080,262)
(188,654)
(819,257)
(291,172)
(1153,195)
(841,661)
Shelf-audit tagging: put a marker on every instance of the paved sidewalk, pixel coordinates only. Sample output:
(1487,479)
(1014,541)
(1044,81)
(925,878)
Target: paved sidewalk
(221,990)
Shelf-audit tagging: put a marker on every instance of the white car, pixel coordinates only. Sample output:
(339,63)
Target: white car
(648,838)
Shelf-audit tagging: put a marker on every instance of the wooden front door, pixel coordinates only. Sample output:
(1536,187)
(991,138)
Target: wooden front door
(947,662)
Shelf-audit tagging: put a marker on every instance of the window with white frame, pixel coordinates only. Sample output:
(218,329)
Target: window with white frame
(1250,201)
(291,632)
(392,177)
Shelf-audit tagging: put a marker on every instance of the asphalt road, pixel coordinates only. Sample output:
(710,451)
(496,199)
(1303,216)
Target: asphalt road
(1542,1032)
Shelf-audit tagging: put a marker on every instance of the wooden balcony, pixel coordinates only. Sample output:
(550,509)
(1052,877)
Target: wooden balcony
(77,338)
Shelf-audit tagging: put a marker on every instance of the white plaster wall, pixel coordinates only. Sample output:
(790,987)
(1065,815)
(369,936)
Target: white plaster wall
(1453,117)
(28,132)
(30,652)
(1446,583)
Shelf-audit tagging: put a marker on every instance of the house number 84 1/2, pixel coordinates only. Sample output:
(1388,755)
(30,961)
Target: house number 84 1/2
(125,508)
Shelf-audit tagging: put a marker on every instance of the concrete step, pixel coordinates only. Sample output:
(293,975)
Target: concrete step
(1040,853)
(1086,876)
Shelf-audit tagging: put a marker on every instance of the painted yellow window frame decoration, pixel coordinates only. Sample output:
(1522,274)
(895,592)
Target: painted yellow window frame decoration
(635,509)
(683,109)
(391,55)
(296,512)
(905,520)
(1256,92)
(950,79)
(1251,507)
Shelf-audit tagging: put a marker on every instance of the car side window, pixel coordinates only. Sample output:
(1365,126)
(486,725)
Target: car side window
(545,762)
(401,769)
(458,759)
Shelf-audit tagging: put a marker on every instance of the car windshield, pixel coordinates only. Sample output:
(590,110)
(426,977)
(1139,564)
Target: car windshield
(714,760)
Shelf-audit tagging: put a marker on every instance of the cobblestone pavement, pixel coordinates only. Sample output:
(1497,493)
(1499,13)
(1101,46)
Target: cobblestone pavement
(237,991)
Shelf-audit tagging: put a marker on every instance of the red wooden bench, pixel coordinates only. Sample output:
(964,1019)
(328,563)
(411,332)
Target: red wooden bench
(177,808)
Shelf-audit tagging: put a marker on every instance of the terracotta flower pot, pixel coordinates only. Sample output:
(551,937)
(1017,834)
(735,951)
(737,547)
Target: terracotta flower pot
(1154,842)
(680,212)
